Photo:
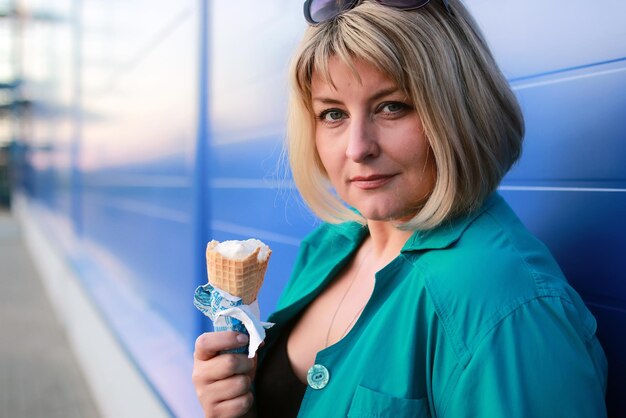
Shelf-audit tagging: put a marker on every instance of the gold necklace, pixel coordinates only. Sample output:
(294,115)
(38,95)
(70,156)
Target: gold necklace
(354,277)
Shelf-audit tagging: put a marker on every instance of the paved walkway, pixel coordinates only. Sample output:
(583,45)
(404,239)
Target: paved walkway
(39,376)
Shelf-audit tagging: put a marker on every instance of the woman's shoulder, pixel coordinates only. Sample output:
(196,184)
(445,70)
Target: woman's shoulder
(495,247)
(494,268)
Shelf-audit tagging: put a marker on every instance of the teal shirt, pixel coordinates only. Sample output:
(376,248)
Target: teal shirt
(472,319)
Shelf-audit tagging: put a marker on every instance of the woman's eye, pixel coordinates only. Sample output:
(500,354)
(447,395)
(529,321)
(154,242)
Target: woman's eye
(393,107)
(331,115)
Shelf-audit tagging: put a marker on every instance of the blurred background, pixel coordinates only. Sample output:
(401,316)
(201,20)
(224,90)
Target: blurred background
(133,132)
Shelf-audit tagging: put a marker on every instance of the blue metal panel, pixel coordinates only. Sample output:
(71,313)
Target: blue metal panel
(250,195)
(534,37)
(575,127)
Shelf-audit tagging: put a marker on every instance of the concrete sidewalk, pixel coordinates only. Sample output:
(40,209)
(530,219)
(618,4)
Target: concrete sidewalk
(39,375)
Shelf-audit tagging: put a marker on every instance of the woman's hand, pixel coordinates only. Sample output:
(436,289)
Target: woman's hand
(222,381)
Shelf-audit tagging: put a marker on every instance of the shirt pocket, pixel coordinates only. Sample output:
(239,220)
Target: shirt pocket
(368,403)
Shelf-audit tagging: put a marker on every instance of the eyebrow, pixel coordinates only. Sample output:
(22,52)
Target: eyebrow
(379,95)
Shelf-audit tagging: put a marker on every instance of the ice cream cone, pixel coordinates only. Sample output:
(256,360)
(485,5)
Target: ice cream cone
(242,278)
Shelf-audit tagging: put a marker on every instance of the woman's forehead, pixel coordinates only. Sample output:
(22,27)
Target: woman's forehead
(328,69)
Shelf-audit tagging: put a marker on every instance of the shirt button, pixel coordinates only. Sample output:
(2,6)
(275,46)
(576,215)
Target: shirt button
(317,377)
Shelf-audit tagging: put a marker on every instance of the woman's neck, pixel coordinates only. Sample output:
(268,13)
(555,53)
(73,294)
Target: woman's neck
(386,239)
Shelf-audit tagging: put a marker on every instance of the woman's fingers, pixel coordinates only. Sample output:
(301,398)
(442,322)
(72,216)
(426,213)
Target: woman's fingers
(230,388)
(209,344)
(222,367)
(227,397)
(234,407)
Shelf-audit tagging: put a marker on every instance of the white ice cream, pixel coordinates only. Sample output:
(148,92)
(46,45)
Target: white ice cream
(238,250)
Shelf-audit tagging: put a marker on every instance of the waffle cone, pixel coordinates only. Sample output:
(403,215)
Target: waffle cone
(241,278)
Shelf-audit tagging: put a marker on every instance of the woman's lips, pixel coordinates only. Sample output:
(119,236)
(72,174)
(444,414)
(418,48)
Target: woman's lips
(371,182)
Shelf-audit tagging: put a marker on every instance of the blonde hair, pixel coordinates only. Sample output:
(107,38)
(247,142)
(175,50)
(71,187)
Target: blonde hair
(470,116)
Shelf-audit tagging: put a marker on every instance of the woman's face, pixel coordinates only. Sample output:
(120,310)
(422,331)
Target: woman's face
(371,142)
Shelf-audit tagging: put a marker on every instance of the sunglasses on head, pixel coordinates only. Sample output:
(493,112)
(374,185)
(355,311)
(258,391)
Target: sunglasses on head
(319,11)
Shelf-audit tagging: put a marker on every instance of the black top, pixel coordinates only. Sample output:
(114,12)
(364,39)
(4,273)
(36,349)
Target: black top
(279,392)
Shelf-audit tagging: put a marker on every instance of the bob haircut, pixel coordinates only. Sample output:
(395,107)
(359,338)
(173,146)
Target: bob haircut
(471,118)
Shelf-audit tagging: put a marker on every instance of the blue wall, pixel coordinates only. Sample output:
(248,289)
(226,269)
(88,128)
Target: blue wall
(157,126)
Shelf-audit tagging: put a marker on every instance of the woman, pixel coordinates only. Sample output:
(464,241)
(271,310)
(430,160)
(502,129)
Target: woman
(423,295)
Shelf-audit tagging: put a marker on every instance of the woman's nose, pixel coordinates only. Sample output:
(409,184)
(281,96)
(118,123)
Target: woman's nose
(362,140)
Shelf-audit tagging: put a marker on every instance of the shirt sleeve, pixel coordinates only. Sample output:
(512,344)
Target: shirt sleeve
(540,360)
